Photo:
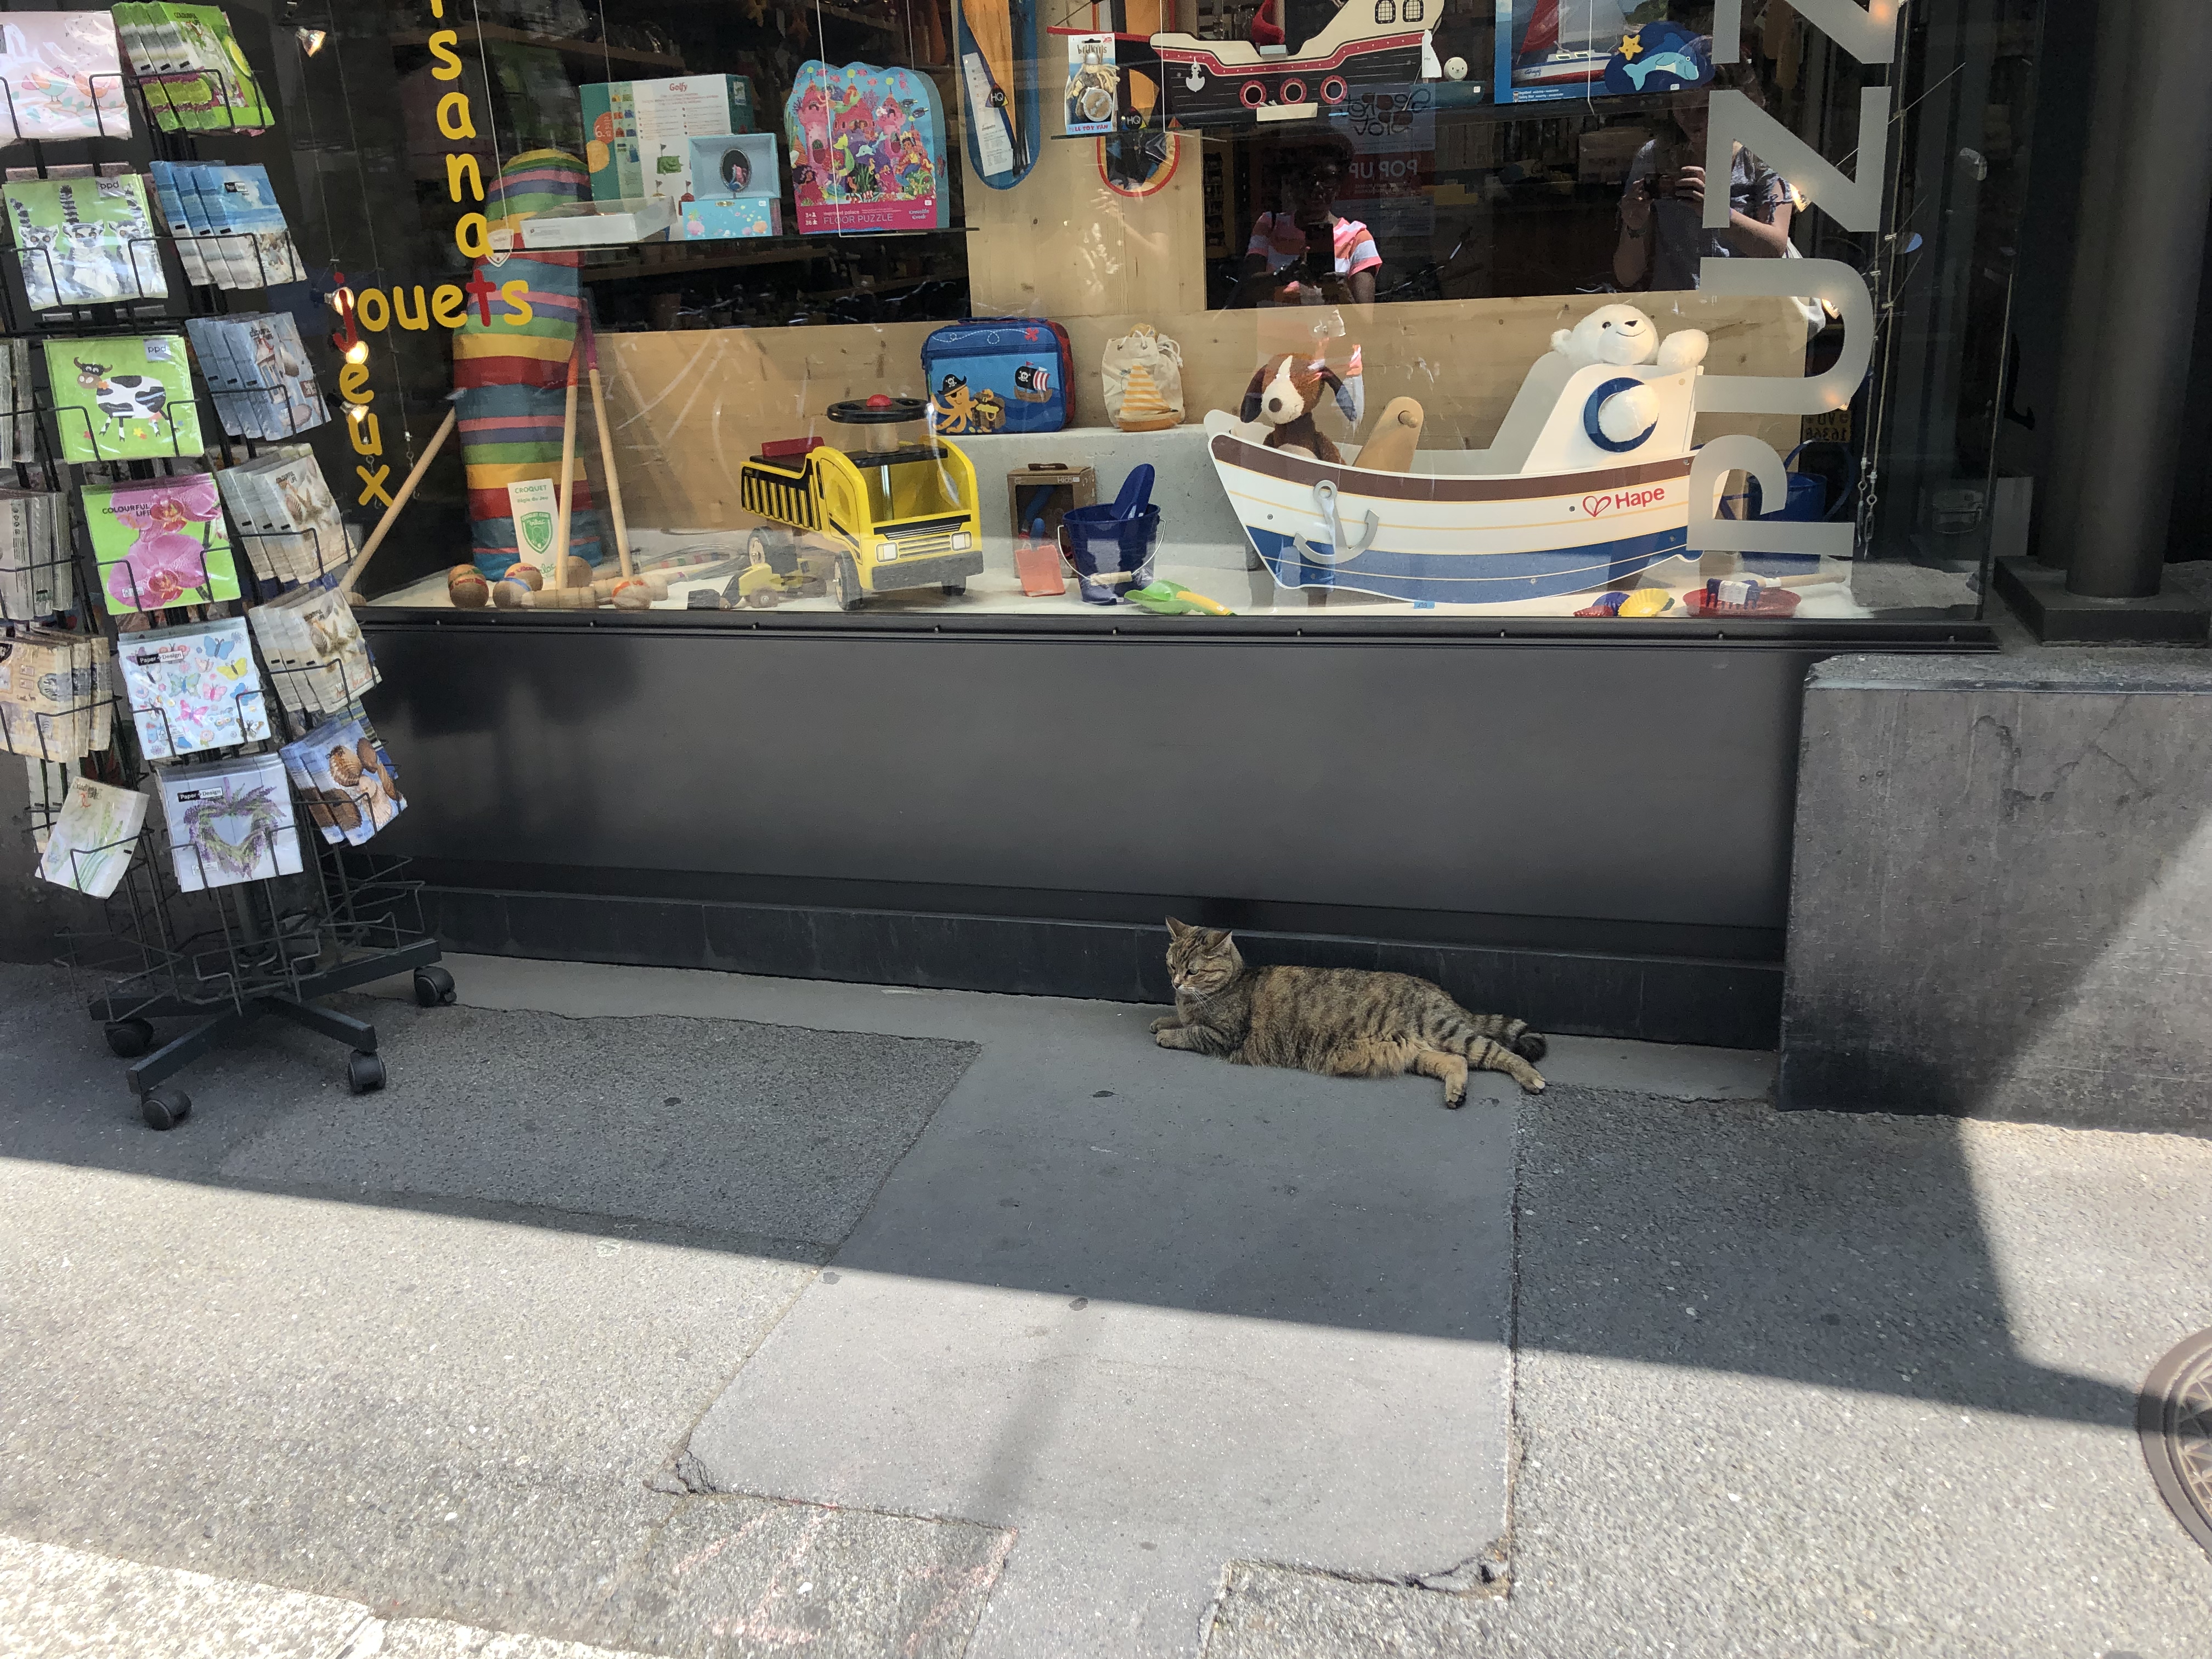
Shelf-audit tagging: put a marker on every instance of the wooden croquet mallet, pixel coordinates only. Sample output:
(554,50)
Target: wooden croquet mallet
(559,575)
(392,513)
(606,444)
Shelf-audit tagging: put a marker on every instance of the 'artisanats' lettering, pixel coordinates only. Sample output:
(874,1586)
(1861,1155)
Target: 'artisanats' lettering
(448,66)
(458,165)
(455,119)
(448,303)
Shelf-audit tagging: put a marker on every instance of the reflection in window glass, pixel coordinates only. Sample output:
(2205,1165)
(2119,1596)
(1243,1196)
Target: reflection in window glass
(1393,309)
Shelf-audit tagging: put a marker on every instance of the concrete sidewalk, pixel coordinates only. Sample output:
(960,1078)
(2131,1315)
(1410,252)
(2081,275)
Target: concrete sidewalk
(937,1323)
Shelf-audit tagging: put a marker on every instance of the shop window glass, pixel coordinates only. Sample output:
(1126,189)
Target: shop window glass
(1634,312)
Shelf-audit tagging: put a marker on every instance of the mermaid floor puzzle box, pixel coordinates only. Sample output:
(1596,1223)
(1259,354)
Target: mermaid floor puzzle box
(867,149)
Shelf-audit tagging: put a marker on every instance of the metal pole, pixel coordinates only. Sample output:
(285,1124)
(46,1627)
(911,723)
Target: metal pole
(2080,363)
(2128,443)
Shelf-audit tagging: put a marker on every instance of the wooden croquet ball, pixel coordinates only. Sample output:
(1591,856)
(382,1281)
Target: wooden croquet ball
(528,574)
(579,573)
(466,587)
(510,595)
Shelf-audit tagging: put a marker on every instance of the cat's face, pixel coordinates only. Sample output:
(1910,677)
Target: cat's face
(1200,960)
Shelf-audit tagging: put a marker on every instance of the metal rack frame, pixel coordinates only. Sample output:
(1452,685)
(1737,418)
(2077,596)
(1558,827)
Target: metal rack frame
(225,955)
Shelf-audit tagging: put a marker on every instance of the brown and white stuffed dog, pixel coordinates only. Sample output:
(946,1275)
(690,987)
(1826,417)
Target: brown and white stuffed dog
(1285,392)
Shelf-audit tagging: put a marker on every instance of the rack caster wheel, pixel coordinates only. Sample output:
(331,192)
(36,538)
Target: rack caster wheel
(127,1039)
(364,1073)
(434,987)
(164,1109)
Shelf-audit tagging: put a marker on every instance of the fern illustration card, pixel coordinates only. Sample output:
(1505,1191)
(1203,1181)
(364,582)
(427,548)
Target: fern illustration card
(161,543)
(124,397)
(93,836)
(63,75)
(229,822)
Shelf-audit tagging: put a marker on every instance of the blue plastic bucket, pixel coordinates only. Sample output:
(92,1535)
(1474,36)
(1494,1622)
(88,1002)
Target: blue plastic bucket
(1109,554)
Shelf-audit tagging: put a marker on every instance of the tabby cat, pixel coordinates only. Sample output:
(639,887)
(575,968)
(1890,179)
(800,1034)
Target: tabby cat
(1343,1022)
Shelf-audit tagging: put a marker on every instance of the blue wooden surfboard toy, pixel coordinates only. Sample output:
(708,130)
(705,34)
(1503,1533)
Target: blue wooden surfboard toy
(995,46)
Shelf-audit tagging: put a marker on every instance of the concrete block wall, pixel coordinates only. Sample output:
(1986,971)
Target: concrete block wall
(2001,900)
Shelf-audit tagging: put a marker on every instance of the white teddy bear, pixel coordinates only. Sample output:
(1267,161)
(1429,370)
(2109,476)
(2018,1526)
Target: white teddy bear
(1625,337)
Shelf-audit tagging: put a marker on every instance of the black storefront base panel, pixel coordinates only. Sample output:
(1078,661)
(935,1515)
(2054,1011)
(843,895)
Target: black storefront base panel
(1586,827)
(1658,999)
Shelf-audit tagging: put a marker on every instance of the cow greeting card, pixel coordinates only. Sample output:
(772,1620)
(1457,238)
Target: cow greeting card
(124,397)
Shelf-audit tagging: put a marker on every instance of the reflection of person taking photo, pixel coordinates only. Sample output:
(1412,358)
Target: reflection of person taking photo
(1663,210)
(1304,251)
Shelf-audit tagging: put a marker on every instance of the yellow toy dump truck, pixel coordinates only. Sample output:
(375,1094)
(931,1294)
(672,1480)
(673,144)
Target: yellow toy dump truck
(889,509)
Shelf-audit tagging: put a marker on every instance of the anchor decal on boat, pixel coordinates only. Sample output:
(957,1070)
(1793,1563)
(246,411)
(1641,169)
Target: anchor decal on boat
(1325,502)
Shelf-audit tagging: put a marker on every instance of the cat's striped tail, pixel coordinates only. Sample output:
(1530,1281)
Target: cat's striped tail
(1516,1034)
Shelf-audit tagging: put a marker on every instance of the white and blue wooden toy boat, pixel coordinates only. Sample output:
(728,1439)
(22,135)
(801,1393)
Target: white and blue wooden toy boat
(1556,504)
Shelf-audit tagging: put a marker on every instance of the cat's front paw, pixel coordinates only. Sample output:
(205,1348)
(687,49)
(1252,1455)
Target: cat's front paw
(1167,1023)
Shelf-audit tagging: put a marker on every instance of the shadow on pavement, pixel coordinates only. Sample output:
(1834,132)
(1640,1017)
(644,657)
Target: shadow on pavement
(1835,1251)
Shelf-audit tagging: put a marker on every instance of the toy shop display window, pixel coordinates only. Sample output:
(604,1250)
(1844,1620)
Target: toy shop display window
(1423,316)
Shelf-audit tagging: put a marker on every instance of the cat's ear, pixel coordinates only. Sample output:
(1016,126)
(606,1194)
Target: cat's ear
(1219,939)
(1178,929)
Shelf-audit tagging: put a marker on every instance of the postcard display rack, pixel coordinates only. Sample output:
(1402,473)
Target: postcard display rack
(252,905)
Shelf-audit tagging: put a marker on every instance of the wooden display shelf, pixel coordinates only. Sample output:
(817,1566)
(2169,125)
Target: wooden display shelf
(662,258)
(629,57)
(881,25)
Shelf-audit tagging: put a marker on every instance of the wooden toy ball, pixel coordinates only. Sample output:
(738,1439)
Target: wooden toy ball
(634,595)
(579,572)
(528,574)
(466,587)
(510,594)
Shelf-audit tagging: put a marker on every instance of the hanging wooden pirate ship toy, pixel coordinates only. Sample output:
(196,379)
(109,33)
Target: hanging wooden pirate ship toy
(1212,84)
(1181,83)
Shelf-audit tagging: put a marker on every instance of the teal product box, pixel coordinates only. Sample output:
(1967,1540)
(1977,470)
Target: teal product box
(736,164)
(610,157)
(724,218)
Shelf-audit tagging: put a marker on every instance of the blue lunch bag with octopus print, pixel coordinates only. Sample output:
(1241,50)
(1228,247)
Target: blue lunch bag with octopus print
(997,374)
